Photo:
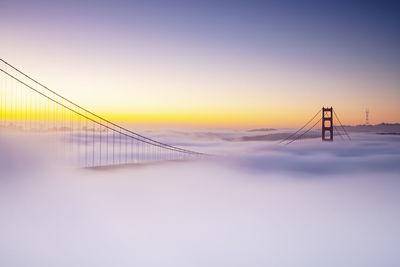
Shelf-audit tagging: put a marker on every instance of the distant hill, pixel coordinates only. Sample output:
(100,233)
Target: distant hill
(377,128)
(275,137)
(382,129)
(262,130)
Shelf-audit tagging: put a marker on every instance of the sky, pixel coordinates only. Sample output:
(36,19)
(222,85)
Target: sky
(219,63)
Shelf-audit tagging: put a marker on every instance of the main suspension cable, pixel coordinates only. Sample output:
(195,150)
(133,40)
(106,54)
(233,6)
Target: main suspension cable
(287,138)
(103,119)
(337,117)
(304,132)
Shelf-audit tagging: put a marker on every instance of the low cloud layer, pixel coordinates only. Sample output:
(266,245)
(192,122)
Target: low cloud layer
(364,154)
(255,204)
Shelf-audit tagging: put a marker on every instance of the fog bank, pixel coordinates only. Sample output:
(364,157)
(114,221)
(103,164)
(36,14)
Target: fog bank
(253,204)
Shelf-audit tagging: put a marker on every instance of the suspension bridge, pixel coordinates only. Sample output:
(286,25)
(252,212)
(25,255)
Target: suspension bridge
(28,106)
(328,127)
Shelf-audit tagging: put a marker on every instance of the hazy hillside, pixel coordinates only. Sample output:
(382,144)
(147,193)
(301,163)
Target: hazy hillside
(377,128)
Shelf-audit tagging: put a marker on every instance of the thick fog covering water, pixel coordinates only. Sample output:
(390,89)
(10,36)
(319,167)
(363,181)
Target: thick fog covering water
(255,203)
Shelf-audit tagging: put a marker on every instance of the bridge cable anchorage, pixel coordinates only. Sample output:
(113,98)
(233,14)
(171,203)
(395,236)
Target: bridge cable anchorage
(138,136)
(303,133)
(292,135)
(121,129)
(337,117)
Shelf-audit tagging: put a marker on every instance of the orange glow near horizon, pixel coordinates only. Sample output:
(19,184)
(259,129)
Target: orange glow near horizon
(244,118)
(231,120)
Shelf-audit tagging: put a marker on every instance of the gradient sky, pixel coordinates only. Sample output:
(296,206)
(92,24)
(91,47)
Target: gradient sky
(227,63)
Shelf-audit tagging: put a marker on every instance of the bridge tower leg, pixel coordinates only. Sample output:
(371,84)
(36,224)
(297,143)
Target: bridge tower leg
(327,124)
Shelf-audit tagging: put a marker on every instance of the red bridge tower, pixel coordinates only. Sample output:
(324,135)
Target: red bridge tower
(327,124)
